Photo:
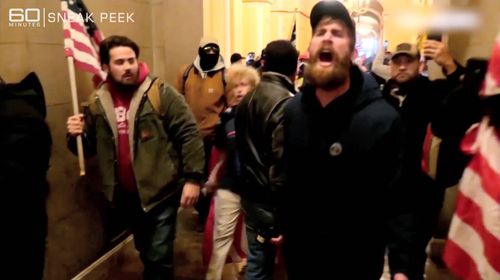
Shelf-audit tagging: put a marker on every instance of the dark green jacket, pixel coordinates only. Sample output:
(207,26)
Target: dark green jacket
(165,145)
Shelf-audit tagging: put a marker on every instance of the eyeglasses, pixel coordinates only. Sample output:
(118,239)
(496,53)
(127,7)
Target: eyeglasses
(211,49)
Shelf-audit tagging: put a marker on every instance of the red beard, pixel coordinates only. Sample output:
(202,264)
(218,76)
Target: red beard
(327,78)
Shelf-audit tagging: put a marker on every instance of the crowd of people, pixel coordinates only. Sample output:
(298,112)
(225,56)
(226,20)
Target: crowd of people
(306,155)
(333,167)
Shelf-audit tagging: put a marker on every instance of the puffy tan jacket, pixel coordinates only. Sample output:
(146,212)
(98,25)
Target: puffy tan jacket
(166,149)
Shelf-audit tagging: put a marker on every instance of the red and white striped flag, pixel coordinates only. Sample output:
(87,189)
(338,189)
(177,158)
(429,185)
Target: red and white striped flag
(473,248)
(82,37)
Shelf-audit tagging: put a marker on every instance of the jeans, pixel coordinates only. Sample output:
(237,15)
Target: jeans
(261,256)
(154,233)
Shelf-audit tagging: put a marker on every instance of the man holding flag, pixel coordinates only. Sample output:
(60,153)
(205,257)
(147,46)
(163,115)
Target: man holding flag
(149,151)
(81,40)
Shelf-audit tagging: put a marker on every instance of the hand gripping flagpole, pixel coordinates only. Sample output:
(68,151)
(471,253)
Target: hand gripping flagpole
(74,96)
(74,101)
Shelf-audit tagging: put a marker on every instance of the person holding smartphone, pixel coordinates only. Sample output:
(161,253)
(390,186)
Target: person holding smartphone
(419,101)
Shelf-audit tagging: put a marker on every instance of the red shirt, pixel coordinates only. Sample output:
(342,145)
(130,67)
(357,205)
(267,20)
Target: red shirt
(121,101)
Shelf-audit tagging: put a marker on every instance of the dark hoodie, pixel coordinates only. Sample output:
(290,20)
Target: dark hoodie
(351,149)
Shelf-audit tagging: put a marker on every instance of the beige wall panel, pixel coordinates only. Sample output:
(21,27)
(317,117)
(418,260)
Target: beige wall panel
(158,23)
(158,59)
(47,61)
(147,56)
(37,33)
(477,43)
(237,27)
(139,30)
(75,207)
(182,29)
(216,23)
(14,66)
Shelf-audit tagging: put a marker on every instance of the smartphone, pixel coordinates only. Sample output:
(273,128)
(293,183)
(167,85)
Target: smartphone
(435,36)
(250,57)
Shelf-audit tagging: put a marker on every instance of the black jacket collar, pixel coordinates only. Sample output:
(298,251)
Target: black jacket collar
(279,79)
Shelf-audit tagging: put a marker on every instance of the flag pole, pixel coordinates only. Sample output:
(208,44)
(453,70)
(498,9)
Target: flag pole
(293,36)
(74,101)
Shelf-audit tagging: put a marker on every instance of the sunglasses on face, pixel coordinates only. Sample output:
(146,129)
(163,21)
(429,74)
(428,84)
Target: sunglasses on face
(210,49)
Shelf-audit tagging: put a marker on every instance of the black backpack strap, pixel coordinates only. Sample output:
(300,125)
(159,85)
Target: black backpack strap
(185,76)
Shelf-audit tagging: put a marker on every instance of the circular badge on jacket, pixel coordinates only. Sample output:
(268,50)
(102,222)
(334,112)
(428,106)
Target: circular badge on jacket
(335,149)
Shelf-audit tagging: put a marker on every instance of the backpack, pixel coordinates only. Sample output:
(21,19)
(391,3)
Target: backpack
(155,98)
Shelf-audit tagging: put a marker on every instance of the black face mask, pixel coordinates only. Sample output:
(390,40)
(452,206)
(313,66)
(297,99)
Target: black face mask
(209,56)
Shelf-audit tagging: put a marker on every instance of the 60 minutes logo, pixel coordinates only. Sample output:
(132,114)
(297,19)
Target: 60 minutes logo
(29,17)
(36,17)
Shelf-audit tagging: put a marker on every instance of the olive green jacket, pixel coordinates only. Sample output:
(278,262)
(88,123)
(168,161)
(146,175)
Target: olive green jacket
(165,144)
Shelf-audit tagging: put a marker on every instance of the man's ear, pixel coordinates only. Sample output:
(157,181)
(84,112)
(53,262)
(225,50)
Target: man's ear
(105,68)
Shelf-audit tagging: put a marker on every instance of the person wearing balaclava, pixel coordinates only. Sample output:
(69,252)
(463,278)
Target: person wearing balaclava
(341,206)
(202,84)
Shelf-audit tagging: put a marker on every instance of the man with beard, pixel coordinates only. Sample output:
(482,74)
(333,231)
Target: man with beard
(202,84)
(148,148)
(419,102)
(339,134)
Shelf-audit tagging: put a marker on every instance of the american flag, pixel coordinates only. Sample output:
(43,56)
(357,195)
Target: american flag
(473,248)
(81,37)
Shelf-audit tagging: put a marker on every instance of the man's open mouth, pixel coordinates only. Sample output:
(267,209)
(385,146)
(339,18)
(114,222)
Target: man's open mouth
(325,56)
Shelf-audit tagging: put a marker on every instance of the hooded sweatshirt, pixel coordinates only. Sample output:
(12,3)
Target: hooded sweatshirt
(121,101)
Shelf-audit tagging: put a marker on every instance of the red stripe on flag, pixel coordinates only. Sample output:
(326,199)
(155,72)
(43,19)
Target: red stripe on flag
(79,45)
(491,84)
(78,26)
(426,150)
(86,67)
(82,49)
(98,36)
(67,34)
(471,214)
(489,178)
(460,262)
